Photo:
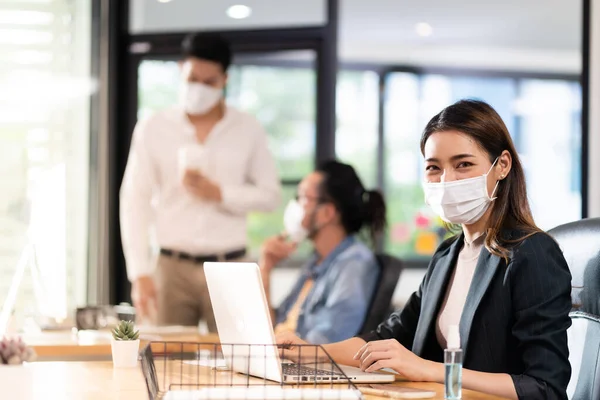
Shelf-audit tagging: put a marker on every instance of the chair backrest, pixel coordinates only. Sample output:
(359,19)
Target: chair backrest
(389,274)
(584,356)
(580,243)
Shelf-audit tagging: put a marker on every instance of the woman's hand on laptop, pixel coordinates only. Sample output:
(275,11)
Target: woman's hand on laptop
(288,340)
(391,354)
(289,346)
(292,348)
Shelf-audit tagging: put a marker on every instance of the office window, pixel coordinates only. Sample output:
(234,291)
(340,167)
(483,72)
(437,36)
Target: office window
(283,99)
(548,113)
(357,110)
(413,230)
(45,90)
(158,82)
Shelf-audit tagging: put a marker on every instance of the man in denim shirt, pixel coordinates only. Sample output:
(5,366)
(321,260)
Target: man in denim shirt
(330,300)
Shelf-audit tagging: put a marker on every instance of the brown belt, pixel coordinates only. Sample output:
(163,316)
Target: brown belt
(198,259)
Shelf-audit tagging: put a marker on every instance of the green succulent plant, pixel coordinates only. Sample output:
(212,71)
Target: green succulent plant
(125,331)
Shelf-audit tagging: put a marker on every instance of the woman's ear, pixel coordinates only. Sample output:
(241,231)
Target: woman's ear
(503,165)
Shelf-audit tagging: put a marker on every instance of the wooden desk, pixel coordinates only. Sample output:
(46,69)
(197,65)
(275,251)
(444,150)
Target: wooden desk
(95,345)
(98,380)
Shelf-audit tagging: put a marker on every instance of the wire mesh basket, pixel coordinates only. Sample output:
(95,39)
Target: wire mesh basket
(196,371)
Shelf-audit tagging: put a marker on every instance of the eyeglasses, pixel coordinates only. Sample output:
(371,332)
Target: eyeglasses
(304,198)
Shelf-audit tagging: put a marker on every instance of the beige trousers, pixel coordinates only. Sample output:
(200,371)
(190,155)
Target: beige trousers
(182,294)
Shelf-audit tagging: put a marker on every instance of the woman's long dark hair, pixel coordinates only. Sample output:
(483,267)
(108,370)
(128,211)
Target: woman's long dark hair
(510,210)
(357,207)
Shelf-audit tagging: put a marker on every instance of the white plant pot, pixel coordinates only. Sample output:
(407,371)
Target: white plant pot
(125,353)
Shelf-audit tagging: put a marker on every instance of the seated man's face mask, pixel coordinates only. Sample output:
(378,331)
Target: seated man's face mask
(292,221)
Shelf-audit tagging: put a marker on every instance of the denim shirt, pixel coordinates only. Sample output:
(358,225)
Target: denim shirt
(336,306)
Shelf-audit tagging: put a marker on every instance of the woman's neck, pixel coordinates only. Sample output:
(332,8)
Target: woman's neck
(475,230)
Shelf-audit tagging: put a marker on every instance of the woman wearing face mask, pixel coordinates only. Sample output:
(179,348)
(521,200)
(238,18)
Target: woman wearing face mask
(330,299)
(501,279)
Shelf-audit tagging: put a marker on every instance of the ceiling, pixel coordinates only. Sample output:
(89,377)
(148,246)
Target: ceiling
(537,24)
(186,15)
(535,34)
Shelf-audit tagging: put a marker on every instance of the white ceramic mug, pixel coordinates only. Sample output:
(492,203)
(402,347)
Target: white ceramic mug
(191,157)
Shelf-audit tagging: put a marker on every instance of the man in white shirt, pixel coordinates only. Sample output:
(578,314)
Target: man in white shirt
(194,172)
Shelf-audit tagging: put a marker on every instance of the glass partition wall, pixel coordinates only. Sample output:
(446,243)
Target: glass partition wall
(45,90)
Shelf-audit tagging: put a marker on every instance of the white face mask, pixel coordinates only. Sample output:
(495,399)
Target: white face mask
(460,202)
(198,98)
(292,221)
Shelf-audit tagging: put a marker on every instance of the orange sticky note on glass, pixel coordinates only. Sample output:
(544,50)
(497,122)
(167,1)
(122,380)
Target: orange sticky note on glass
(426,243)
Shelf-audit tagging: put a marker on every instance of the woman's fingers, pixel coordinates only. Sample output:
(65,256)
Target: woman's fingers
(373,357)
(286,337)
(377,345)
(379,365)
(362,350)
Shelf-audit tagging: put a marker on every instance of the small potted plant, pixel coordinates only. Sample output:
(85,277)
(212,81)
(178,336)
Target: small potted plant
(15,352)
(125,345)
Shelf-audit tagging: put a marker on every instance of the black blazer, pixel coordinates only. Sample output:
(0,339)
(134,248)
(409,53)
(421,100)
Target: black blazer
(514,321)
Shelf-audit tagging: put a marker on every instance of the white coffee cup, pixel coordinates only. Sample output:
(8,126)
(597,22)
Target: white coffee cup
(191,157)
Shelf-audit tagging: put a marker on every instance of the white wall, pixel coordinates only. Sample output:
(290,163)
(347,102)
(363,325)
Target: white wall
(489,58)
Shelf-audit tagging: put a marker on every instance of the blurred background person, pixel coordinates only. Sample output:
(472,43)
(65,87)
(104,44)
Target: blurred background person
(330,300)
(194,172)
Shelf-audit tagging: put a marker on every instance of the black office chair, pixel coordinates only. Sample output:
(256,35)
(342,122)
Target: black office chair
(580,243)
(389,274)
(584,356)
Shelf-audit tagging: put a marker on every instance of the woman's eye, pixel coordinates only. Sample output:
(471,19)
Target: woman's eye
(464,164)
(431,168)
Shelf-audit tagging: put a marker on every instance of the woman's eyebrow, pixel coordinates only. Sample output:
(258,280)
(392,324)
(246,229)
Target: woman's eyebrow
(461,156)
(453,158)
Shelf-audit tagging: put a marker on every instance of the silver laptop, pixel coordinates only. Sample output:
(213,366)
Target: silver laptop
(243,318)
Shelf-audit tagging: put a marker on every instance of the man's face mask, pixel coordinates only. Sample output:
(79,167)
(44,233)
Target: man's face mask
(292,221)
(198,98)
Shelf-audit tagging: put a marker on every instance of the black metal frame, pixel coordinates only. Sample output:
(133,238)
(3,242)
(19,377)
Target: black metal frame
(93,183)
(164,370)
(585,103)
(120,99)
(113,39)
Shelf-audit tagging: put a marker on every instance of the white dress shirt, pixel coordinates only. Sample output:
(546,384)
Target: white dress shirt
(152,193)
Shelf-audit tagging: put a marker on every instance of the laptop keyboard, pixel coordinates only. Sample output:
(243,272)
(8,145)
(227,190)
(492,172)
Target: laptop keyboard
(295,371)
